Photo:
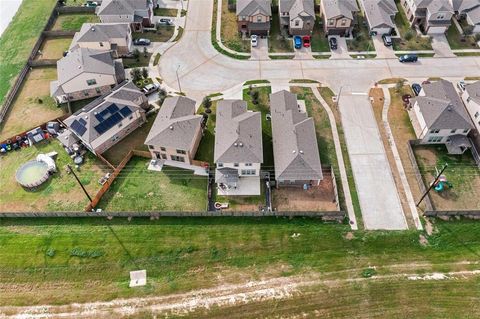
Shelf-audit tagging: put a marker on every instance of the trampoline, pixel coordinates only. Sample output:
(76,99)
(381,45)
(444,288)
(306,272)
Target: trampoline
(32,174)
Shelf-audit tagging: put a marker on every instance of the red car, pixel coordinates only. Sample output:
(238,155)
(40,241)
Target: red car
(306,41)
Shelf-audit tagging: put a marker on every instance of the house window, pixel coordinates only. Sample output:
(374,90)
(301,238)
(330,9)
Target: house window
(163,149)
(331,22)
(259,18)
(91,82)
(453,131)
(150,147)
(477,114)
(101,44)
(177,158)
(435,131)
(220,164)
(98,90)
(297,23)
(85,93)
(248,172)
(181,152)
(248,164)
(465,131)
(344,21)
(164,156)
(235,164)
(435,139)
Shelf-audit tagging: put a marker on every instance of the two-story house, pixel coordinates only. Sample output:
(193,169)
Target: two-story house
(338,16)
(471,99)
(297,16)
(431,16)
(253,17)
(115,37)
(85,73)
(139,13)
(295,147)
(176,132)
(107,120)
(380,15)
(438,116)
(468,10)
(238,151)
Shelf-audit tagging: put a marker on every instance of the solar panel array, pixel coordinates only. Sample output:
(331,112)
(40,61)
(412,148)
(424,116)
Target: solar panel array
(78,127)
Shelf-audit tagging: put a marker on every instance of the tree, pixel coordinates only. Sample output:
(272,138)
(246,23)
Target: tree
(145,73)
(145,52)
(207,103)
(255,96)
(136,74)
(409,35)
(136,54)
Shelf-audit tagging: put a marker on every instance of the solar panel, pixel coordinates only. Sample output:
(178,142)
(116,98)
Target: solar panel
(82,121)
(125,111)
(78,128)
(108,123)
(112,108)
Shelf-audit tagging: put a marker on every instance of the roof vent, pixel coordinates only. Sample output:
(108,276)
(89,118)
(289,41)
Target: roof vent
(93,29)
(301,152)
(449,107)
(241,144)
(235,144)
(86,117)
(171,127)
(293,152)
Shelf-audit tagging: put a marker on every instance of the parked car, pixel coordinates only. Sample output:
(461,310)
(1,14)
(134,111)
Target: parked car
(408,58)
(387,40)
(416,88)
(92,4)
(297,40)
(333,43)
(306,41)
(150,88)
(141,42)
(166,21)
(461,85)
(254,40)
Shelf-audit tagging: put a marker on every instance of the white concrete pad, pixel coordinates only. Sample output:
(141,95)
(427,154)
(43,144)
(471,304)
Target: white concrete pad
(138,278)
(246,186)
(260,52)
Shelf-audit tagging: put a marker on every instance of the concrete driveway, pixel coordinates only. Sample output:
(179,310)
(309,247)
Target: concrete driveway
(303,53)
(342,51)
(260,52)
(379,200)
(441,47)
(383,52)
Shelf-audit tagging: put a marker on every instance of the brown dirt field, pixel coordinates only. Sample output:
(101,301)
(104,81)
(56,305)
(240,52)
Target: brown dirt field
(27,111)
(318,198)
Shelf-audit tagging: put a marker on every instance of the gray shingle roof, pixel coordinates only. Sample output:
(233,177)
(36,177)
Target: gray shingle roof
(82,60)
(120,7)
(100,32)
(474,15)
(295,147)
(297,7)
(335,8)
(238,133)
(249,7)
(175,125)
(473,90)
(379,13)
(434,5)
(442,107)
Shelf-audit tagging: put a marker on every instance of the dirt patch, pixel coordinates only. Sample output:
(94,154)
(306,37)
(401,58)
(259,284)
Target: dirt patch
(422,240)
(349,236)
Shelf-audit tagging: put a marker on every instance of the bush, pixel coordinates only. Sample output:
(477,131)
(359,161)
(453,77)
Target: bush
(409,35)
(78,252)
(50,252)
(369,272)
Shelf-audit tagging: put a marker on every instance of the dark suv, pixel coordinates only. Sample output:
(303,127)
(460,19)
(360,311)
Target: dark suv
(408,58)
(333,43)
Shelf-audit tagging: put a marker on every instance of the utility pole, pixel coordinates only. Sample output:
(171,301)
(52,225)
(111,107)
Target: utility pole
(433,184)
(178,79)
(80,183)
(338,97)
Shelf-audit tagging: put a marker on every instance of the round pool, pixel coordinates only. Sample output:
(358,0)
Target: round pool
(32,174)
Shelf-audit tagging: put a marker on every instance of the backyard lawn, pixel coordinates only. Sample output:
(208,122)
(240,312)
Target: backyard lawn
(409,40)
(138,189)
(229,31)
(263,106)
(54,48)
(459,41)
(17,41)
(73,21)
(60,193)
(319,42)
(33,105)
(462,172)
(278,42)
(181,255)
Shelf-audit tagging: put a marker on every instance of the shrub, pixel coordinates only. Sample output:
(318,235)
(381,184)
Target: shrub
(145,73)
(368,272)
(409,35)
(50,252)
(207,102)
(78,252)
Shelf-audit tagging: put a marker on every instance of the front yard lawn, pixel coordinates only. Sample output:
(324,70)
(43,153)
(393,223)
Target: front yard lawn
(33,105)
(361,36)
(409,40)
(278,42)
(319,41)
(142,61)
(229,34)
(60,193)
(138,189)
(54,48)
(73,21)
(165,12)
(163,34)
(459,41)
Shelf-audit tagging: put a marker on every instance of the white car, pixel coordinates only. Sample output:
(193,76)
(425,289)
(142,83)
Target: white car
(150,88)
(254,40)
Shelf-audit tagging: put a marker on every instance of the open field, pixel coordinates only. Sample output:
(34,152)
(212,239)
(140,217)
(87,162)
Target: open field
(462,172)
(138,189)
(73,21)
(186,254)
(229,32)
(33,105)
(17,41)
(414,42)
(60,193)
(54,48)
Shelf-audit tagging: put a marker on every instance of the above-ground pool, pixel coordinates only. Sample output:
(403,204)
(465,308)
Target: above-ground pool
(32,174)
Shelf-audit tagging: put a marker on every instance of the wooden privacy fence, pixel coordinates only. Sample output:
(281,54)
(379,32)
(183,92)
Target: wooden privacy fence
(472,214)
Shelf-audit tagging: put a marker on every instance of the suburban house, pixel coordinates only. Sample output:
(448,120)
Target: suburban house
(295,148)
(380,15)
(298,16)
(431,16)
(115,37)
(139,13)
(176,132)
(108,119)
(85,73)
(338,16)
(468,10)
(238,150)
(438,116)
(471,99)
(253,16)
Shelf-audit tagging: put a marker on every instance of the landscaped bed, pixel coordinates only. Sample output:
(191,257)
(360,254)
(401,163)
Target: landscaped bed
(165,12)
(73,21)
(138,189)
(60,193)
(163,34)
(54,48)
(33,105)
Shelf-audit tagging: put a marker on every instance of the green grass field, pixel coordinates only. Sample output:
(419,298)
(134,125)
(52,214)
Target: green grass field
(19,38)
(184,254)
(74,21)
